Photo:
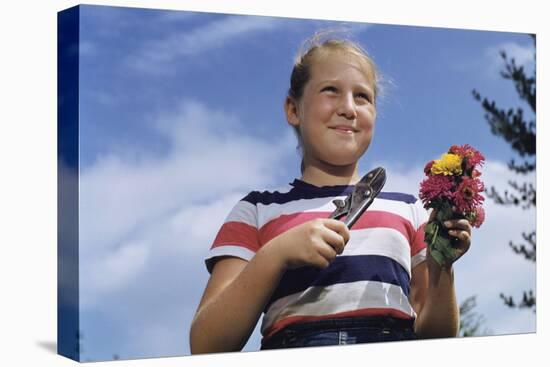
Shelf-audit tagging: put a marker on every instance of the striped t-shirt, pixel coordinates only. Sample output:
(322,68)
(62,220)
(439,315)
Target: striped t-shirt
(372,275)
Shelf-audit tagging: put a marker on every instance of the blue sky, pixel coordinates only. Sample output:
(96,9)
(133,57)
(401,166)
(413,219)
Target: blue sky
(181,115)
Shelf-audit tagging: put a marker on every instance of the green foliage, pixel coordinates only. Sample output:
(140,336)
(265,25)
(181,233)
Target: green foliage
(471,322)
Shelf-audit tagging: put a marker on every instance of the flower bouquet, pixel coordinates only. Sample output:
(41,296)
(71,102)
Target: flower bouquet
(452,188)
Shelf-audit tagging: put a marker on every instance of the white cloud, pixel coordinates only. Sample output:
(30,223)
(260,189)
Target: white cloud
(198,224)
(489,63)
(176,16)
(114,270)
(208,155)
(523,55)
(132,210)
(147,223)
(155,54)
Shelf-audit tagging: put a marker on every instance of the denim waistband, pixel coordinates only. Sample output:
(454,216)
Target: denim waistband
(347,323)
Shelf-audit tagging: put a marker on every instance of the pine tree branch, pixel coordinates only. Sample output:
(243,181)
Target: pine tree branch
(508,301)
(522,168)
(525,196)
(471,321)
(525,86)
(520,134)
(529,250)
(510,125)
(528,301)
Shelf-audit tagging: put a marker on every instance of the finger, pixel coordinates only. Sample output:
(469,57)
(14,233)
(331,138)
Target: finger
(335,240)
(463,236)
(322,263)
(459,224)
(326,251)
(319,261)
(338,227)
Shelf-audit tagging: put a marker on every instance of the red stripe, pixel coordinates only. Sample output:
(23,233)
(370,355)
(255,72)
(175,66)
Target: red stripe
(237,234)
(279,325)
(418,243)
(370,219)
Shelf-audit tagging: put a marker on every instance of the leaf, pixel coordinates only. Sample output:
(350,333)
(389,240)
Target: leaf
(429,232)
(441,249)
(438,257)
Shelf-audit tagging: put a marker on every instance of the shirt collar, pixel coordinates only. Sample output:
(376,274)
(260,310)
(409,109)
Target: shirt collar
(299,184)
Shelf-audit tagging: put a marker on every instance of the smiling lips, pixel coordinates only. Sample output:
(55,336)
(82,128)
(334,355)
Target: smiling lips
(344,128)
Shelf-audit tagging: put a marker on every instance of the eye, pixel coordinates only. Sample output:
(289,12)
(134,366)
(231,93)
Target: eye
(329,88)
(365,96)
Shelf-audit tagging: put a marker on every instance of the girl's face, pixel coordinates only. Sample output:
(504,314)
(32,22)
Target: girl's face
(336,113)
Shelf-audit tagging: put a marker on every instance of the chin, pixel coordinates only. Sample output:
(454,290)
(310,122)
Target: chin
(345,158)
(341,161)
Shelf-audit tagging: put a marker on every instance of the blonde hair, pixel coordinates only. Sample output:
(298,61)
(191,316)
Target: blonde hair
(317,47)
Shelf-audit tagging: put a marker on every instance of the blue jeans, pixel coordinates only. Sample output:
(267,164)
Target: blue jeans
(352,330)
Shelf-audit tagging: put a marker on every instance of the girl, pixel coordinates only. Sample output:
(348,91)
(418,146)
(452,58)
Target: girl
(318,282)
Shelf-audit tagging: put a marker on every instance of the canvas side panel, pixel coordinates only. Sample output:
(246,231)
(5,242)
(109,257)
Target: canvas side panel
(68,334)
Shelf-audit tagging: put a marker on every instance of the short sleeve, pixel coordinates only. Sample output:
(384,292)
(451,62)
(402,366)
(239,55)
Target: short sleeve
(238,235)
(418,246)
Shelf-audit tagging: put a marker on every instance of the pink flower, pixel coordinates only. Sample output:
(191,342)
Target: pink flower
(479,217)
(466,197)
(436,187)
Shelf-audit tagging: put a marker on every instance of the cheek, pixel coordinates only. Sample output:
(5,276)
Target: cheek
(367,120)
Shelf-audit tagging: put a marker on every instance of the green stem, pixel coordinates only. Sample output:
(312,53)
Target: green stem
(435,234)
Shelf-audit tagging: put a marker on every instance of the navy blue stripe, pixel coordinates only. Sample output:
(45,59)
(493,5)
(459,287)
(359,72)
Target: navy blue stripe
(398,196)
(296,193)
(344,269)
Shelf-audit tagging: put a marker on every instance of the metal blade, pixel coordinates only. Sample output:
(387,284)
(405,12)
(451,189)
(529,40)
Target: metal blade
(364,193)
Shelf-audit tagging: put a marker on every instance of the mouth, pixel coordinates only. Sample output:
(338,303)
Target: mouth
(344,129)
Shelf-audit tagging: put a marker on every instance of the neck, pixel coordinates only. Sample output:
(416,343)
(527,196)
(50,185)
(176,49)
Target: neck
(329,175)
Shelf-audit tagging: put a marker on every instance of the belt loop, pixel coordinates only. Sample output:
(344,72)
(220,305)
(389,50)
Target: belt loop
(342,337)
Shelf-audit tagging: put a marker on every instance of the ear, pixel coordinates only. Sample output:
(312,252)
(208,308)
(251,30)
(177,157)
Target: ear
(291,112)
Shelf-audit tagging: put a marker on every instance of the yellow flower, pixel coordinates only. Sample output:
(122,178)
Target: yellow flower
(449,164)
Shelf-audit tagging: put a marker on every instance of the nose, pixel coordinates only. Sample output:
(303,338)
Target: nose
(346,107)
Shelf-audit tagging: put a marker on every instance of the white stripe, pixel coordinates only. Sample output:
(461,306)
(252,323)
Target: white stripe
(244,212)
(420,215)
(380,241)
(319,301)
(418,258)
(228,250)
(396,207)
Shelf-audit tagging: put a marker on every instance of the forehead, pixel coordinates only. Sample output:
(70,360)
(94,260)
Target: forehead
(335,63)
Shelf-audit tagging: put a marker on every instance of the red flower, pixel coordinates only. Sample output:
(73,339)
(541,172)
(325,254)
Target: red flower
(436,187)
(466,197)
(471,156)
(428,168)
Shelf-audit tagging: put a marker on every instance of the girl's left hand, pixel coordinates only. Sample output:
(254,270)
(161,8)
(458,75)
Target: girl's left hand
(462,231)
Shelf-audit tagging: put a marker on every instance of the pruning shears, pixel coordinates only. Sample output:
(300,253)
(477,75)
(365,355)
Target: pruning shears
(360,198)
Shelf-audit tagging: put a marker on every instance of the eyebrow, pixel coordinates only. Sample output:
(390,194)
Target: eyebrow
(365,86)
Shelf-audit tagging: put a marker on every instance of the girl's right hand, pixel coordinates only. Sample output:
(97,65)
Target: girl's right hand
(315,243)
